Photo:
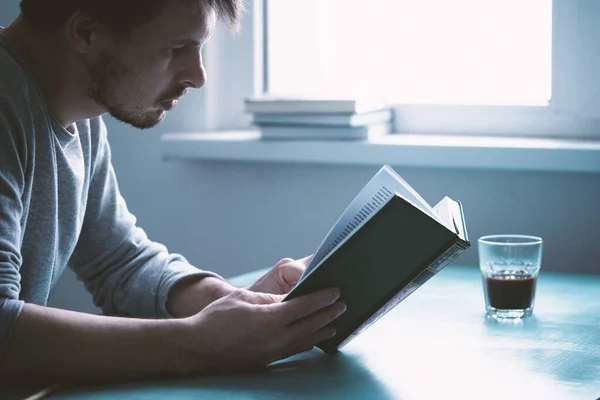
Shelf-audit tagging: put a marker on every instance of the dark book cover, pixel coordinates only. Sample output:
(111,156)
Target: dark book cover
(399,248)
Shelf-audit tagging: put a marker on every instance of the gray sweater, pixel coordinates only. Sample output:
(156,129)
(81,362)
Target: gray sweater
(60,206)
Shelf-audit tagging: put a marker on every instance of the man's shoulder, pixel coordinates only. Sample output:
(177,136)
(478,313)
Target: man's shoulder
(15,83)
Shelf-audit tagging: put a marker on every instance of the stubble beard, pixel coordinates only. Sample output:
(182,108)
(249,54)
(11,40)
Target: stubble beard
(108,75)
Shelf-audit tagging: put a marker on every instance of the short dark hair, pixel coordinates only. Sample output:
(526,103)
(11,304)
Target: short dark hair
(121,16)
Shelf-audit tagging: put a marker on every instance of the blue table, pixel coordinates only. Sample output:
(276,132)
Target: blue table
(437,344)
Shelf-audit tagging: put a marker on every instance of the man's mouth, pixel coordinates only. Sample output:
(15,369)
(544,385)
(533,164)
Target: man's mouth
(168,105)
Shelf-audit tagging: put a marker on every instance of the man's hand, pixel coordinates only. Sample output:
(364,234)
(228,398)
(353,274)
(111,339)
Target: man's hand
(246,329)
(190,296)
(282,277)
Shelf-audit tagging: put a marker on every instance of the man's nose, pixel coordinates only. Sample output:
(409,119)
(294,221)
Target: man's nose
(194,73)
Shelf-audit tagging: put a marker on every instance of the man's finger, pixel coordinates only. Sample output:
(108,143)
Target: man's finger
(306,260)
(303,306)
(307,343)
(317,321)
(290,273)
(262,298)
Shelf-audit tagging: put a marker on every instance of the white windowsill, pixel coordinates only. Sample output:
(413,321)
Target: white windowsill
(499,153)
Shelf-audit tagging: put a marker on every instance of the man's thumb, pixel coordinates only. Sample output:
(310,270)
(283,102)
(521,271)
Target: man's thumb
(306,260)
(266,298)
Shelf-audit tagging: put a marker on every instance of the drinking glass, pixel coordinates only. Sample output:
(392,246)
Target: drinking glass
(510,265)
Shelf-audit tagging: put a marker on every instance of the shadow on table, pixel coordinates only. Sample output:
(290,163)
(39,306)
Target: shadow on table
(311,375)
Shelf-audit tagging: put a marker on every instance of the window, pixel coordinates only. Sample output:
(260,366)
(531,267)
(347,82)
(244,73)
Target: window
(536,69)
(492,52)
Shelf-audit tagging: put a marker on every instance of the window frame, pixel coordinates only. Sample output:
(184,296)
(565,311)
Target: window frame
(564,117)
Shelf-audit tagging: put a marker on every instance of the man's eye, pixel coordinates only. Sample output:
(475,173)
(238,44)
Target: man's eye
(177,49)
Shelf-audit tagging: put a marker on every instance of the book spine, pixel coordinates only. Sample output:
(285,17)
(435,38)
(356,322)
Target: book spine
(446,258)
(436,266)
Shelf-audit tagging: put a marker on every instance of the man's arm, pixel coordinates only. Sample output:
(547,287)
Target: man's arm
(241,330)
(50,345)
(133,276)
(189,296)
(44,344)
(126,273)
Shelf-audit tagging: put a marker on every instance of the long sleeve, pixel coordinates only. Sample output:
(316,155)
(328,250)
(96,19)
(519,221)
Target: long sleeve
(12,178)
(126,273)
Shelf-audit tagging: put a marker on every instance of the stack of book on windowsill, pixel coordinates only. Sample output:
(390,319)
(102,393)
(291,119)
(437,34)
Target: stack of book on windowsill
(303,118)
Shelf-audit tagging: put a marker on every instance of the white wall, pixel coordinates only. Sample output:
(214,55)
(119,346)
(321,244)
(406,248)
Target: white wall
(236,217)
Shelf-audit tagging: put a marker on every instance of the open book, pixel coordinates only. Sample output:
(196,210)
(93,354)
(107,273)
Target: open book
(386,244)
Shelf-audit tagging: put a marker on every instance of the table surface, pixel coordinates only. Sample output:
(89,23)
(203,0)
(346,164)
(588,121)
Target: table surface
(438,343)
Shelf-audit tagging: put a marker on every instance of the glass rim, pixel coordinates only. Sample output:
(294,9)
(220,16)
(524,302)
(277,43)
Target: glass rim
(494,240)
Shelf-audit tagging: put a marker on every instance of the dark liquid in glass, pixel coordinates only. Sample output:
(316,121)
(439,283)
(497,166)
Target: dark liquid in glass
(510,290)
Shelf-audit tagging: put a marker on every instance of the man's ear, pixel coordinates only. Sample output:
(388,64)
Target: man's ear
(82,32)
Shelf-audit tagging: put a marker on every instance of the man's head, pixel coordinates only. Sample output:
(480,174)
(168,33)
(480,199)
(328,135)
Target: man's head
(138,56)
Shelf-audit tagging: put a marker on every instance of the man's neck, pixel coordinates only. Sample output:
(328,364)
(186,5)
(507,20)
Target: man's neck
(58,75)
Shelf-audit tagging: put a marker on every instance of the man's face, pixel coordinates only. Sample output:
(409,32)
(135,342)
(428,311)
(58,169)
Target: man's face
(138,79)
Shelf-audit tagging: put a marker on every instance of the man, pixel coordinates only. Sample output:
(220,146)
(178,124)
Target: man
(63,63)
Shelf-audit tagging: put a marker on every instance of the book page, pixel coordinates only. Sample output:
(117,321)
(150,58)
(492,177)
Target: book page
(450,212)
(376,193)
(406,191)
(443,210)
